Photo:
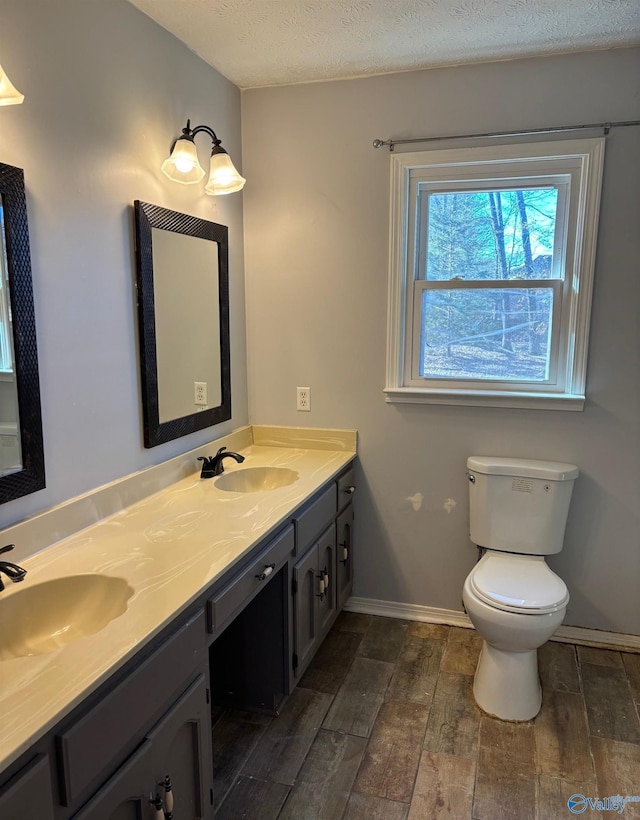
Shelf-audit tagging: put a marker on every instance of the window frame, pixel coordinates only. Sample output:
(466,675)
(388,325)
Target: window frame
(576,166)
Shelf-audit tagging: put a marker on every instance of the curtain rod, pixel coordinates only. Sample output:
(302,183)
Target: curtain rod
(606,127)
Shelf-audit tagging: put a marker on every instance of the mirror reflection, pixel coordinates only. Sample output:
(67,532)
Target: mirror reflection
(183,317)
(185,279)
(10,450)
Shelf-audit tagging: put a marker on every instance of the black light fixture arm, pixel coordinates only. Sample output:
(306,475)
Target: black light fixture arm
(189,133)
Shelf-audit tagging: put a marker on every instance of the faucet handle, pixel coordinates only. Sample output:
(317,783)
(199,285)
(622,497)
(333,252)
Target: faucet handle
(221,450)
(8,548)
(207,466)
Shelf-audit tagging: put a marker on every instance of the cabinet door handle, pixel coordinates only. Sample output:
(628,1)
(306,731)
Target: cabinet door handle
(349,490)
(168,797)
(320,592)
(266,572)
(158,811)
(326,579)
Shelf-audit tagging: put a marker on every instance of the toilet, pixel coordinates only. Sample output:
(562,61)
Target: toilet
(518,512)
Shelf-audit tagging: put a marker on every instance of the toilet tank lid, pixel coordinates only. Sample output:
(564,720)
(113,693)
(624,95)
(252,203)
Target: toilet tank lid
(523,467)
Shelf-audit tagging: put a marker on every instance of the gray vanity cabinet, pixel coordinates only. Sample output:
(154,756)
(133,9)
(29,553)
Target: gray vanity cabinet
(323,573)
(178,746)
(28,795)
(314,597)
(251,634)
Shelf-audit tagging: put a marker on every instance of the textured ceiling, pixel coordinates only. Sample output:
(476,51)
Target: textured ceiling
(271,42)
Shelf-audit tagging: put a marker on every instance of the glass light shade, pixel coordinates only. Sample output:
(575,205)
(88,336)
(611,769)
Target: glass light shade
(223,176)
(182,165)
(9,95)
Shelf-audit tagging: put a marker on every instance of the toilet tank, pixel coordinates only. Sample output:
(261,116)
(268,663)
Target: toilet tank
(519,505)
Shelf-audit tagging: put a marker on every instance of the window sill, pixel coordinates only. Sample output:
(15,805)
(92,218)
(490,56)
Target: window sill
(488,398)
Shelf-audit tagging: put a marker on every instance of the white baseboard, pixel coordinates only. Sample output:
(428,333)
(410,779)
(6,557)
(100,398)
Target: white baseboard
(410,612)
(452,617)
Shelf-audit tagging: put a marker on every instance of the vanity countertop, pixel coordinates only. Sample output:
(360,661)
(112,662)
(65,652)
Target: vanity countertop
(169,547)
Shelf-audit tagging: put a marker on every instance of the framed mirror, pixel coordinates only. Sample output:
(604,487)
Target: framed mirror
(182,266)
(21,442)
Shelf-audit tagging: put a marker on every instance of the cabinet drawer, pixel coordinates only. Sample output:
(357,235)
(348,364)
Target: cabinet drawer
(315,518)
(346,488)
(28,794)
(242,588)
(92,745)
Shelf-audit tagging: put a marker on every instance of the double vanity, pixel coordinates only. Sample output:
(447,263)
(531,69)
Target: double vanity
(124,633)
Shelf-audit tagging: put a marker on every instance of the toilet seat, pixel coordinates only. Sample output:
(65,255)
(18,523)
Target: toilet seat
(518,583)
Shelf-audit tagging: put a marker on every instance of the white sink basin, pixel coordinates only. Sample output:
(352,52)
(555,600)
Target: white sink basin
(45,617)
(256,479)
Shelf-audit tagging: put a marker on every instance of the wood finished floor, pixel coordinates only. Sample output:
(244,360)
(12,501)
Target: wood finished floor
(384,725)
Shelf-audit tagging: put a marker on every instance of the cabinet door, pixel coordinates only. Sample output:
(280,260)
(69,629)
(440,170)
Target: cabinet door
(181,749)
(327,600)
(306,586)
(28,795)
(344,572)
(178,746)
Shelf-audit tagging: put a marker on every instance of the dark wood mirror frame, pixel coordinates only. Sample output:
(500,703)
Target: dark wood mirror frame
(149,216)
(25,350)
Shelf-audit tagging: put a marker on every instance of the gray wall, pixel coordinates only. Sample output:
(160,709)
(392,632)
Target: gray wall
(316,245)
(106,90)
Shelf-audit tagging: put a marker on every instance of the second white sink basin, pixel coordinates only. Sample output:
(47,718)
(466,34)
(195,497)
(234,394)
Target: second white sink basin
(45,617)
(256,479)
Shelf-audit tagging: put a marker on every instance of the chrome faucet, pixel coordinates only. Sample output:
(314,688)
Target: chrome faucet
(212,465)
(12,571)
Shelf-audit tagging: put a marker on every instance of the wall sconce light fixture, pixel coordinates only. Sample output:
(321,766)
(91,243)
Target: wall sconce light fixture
(183,166)
(9,94)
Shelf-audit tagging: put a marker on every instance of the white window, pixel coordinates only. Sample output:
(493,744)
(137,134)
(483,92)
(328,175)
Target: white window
(492,257)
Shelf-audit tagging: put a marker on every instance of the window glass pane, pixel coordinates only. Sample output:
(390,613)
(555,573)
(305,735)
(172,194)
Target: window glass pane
(499,234)
(497,334)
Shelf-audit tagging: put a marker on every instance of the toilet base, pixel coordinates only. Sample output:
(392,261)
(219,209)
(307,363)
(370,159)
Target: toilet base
(506,684)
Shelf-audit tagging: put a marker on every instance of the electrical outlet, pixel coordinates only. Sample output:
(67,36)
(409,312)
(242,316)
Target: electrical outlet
(303,398)
(200,392)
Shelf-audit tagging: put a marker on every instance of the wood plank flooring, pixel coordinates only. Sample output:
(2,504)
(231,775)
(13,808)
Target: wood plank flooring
(384,725)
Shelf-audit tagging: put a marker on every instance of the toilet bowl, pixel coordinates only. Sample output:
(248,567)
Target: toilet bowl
(513,622)
(518,512)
